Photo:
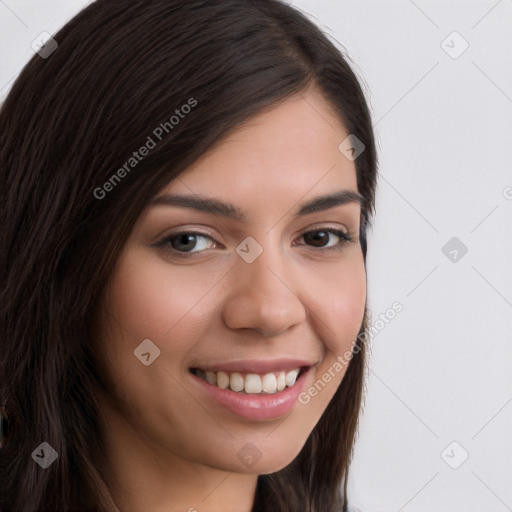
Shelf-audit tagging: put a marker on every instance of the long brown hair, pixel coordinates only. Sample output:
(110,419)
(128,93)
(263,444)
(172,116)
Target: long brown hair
(73,119)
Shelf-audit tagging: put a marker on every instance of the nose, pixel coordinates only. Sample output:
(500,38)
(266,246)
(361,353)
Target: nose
(263,296)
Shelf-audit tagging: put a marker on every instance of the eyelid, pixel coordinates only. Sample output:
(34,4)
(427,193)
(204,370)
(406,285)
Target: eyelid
(345,235)
(205,231)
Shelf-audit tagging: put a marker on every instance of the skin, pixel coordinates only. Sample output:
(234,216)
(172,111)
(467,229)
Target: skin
(167,448)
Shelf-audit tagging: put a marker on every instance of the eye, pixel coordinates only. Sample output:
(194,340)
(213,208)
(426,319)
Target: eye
(187,243)
(317,238)
(184,242)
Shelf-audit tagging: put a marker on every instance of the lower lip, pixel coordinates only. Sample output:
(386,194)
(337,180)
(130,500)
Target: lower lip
(256,407)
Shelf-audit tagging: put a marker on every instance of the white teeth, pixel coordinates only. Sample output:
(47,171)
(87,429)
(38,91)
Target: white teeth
(291,377)
(222,380)
(211,378)
(236,381)
(281,381)
(269,383)
(251,383)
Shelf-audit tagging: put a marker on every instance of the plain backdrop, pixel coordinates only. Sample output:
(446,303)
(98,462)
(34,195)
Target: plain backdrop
(437,424)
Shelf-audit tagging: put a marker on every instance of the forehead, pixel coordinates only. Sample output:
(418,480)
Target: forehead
(286,151)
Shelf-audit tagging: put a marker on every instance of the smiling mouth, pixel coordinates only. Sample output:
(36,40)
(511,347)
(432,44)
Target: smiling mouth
(251,383)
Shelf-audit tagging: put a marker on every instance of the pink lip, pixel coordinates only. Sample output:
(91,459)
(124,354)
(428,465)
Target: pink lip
(257,365)
(254,407)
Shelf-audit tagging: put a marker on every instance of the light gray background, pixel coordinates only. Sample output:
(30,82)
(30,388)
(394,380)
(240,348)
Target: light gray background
(440,371)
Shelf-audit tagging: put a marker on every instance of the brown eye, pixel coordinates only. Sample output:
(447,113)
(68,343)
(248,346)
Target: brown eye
(318,238)
(191,243)
(185,242)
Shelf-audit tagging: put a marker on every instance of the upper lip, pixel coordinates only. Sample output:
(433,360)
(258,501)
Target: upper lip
(256,365)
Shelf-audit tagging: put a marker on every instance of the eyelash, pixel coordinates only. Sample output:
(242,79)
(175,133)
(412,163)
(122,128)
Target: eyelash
(345,239)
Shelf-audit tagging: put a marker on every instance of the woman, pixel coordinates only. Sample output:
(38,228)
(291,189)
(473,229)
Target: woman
(188,187)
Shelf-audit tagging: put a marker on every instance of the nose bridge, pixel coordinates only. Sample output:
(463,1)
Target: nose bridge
(264,297)
(265,277)
(266,273)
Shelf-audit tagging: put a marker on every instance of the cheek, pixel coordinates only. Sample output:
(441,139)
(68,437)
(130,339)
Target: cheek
(340,302)
(150,301)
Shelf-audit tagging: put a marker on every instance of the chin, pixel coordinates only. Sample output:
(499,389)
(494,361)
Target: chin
(275,461)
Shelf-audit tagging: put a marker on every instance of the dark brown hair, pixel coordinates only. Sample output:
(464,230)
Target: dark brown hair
(69,123)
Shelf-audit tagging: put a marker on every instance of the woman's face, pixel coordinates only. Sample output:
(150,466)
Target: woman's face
(242,295)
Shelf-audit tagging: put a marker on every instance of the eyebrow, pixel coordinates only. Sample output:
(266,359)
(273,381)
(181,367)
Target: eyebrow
(231,211)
